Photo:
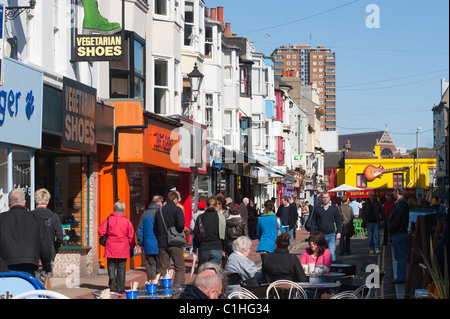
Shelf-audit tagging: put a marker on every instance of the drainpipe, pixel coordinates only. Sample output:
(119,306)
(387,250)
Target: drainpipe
(116,150)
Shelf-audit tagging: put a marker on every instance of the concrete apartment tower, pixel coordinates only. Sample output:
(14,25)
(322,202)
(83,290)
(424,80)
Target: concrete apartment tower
(314,66)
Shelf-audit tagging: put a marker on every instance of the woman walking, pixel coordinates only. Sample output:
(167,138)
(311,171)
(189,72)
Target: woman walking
(120,242)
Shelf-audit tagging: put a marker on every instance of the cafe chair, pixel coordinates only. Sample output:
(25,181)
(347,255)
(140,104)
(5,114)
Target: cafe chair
(242,293)
(38,294)
(359,230)
(258,290)
(345,295)
(363,292)
(285,289)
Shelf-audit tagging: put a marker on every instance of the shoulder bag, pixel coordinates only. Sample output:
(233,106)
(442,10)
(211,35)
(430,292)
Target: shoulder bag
(102,240)
(174,238)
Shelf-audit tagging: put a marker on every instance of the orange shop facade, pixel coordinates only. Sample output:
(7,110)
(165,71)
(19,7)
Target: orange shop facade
(143,162)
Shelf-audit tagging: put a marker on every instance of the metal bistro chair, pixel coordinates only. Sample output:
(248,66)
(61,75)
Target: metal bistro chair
(363,292)
(285,289)
(359,230)
(40,294)
(345,295)
(242,293)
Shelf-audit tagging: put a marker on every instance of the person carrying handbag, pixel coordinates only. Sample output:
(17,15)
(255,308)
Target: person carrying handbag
(119,243)
(170,218)
(348,230)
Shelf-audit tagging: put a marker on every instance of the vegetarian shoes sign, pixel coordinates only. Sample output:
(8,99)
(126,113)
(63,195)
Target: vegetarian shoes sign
(79,116)
(101,40)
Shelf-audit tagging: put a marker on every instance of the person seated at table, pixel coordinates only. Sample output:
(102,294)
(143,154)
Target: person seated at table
(282,265)
(207,285)
(238,263)
(316,254)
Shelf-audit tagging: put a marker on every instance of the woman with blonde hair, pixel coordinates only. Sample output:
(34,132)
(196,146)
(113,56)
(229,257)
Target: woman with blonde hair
(52,222)
(209,231)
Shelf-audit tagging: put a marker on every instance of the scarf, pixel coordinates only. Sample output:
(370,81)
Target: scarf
(222,225)
(267,214)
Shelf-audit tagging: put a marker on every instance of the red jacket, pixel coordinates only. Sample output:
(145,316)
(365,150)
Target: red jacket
(120,236)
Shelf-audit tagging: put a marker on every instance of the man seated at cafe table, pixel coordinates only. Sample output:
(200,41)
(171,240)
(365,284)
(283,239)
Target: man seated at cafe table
(207,285)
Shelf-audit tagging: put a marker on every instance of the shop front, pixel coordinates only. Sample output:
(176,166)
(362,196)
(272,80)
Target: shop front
(143,163)
(75,127)
(20,129)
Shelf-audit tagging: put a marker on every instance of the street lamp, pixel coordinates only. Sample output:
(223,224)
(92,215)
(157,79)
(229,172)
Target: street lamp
(195,80)
(417,156)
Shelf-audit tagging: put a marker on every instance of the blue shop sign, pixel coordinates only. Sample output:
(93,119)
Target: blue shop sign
(21,105)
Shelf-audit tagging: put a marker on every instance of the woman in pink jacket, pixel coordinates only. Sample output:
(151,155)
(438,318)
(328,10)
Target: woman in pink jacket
(118,246)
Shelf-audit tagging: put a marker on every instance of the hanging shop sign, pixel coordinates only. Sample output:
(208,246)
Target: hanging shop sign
(299,160)
(21,105)
(79,116)
(101,40)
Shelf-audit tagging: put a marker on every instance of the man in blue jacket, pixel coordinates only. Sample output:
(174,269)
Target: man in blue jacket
(324,218)
(147,238)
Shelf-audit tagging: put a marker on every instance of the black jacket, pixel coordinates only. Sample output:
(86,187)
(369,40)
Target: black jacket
(192,292)
(281,265)
(173,216)
(52,227)
(293,214)
(399,218)
(23,239)
(212,241)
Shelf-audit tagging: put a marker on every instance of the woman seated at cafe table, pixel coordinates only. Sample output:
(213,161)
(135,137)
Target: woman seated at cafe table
(282,265)
(316,254)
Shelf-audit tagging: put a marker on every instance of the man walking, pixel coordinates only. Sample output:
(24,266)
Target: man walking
(325,218)
(347,226)
(288,215)
(147,239)
(23,237)
(173,217)
(372,215)
(398,230)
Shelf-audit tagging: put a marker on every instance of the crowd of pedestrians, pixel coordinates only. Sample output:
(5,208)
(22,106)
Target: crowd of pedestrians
(221,233)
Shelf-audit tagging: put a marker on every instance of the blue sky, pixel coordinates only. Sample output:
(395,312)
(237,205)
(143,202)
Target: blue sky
(386,76)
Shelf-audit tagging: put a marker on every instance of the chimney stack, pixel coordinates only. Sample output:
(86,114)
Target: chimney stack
(348,146)
(228,29)
(220,14)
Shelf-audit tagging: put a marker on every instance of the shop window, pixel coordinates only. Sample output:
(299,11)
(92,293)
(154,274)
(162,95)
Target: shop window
(361,180)
(70,196)
(398,180)
(127,77)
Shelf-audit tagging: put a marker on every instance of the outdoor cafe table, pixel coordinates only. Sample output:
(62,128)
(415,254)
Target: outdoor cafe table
(346,269)
(333,275)
(161,293)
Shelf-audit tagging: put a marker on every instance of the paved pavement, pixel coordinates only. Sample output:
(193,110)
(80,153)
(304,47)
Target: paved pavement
(359,258)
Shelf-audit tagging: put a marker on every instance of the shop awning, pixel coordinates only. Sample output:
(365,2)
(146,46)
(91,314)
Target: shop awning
(270,169)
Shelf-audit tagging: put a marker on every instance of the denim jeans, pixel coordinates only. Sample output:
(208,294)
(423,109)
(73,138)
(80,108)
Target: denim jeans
(116,273)
(373,231)
(399,243)
(288,229)
(331,241)
(214,256)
